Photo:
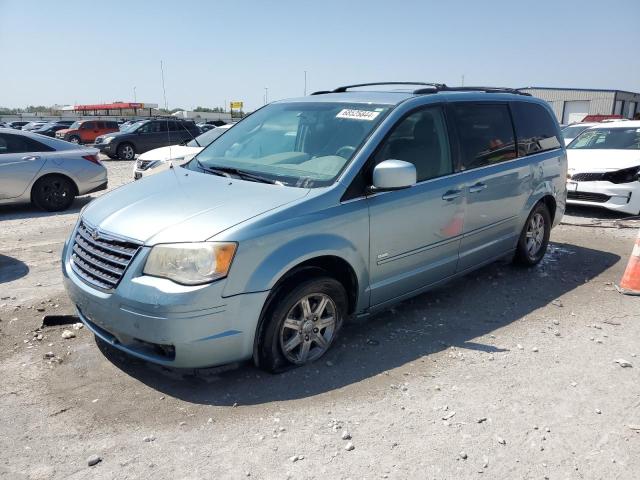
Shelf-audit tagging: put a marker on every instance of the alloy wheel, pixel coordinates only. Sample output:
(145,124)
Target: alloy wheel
(535,234)
(309,328)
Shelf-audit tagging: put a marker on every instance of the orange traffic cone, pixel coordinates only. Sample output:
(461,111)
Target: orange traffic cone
(630,283)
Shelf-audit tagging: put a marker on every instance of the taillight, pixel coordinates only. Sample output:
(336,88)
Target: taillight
(92,159)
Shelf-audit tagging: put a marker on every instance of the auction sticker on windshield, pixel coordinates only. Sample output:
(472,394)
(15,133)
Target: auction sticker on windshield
(357,114)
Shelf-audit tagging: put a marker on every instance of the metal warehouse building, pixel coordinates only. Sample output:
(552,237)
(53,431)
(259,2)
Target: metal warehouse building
(573,104)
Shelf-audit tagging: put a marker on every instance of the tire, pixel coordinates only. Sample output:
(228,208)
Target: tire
(75,139)
(534,238)
(302,338)
(126,151)
(53,193)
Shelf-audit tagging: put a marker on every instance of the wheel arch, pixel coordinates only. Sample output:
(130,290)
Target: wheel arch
(331,265)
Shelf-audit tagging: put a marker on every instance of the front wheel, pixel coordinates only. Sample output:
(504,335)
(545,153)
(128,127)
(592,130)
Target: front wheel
(126,151)
(302,324)
(534,238)
(75,139)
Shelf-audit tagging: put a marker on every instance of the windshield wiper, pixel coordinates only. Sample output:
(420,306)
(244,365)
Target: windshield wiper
(230,171)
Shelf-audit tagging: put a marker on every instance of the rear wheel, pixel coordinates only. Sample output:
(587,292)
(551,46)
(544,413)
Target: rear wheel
(53,193)
(126,151)
(534,238)
(302,324)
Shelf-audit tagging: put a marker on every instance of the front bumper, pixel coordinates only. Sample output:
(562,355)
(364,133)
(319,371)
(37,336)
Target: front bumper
(619,197)
(104,147)
(162,322)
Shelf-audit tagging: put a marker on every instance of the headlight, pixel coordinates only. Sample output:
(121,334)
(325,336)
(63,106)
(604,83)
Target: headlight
(107,140)
(191,263)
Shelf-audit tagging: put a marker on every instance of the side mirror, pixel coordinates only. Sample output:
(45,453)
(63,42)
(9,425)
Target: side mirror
(393,175)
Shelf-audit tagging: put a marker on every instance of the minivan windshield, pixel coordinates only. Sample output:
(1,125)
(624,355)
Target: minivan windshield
(608,138)
(206,138)
(302,144)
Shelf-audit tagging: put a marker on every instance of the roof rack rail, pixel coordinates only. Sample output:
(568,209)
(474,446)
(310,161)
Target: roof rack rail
(427,88)
(446,88)
(344,88)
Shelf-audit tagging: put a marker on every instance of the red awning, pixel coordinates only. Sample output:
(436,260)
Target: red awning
(109,106)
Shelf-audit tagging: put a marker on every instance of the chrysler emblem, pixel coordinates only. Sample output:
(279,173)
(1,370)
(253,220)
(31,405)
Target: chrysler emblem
(95,235)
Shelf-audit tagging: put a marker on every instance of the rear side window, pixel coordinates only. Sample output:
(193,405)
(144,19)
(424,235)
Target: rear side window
(485,132)
(100,125)
(88,125)
(20,144)
(535,129)
(111,125)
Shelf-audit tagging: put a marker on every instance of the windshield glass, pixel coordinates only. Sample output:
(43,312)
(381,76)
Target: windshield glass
(299,144)
(75,125)
(207,137)
(131,128)
(573,131)
(608,138)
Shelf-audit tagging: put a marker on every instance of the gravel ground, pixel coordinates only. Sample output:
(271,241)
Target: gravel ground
(504,374)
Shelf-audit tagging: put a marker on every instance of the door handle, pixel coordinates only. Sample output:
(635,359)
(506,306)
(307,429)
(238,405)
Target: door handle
(451,195)
(31,157)
(478,187)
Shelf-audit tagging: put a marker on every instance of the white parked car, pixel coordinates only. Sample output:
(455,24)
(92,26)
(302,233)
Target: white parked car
(604,167)
(159,160)
(572,131)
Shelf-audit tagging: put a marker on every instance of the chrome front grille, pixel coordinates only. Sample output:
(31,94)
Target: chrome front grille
(587,177)
(100,259)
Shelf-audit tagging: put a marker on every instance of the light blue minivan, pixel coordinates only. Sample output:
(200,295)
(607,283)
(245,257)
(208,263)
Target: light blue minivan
(313,210)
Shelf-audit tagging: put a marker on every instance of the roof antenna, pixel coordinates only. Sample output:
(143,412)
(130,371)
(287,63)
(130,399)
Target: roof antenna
(166,108)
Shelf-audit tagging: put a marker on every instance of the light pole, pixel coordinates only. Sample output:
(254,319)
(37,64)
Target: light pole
(305,83)
(266,95)
(135,98)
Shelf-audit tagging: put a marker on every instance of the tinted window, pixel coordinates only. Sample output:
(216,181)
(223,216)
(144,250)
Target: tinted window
(486,134)
(88,125)
(157,127)
(421,139)
(19,144)
(112,125)
(535,129)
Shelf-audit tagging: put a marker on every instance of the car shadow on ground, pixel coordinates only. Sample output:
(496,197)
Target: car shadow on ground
(11,269)
(27,210)
(453,315)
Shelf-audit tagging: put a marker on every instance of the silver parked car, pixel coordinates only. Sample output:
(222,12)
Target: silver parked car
(45,171)
(312,210)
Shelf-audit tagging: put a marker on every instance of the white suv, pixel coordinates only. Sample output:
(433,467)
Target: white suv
(159,159)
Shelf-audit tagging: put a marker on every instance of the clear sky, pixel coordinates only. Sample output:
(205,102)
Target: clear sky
(88,51)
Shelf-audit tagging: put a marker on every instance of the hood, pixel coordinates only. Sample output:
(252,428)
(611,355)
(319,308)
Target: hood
(594,160)
(181,205)
(169,153)
(65,131)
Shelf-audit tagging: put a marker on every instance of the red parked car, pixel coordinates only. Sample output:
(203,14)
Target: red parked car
(86,131)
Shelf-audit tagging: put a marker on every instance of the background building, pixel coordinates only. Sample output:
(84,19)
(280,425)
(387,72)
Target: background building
(573,104)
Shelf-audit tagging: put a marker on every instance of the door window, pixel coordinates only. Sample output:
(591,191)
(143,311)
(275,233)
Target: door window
(19,144)
(421,139)
(486,134)
(535,129)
